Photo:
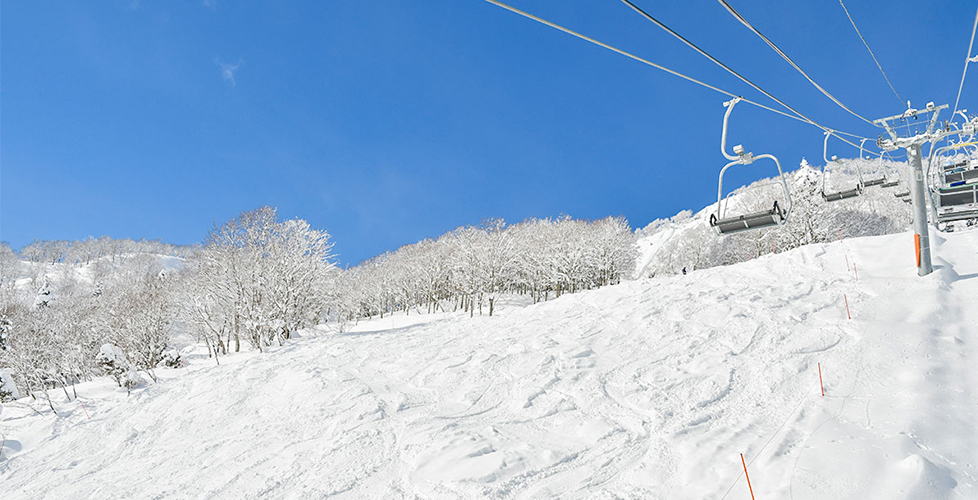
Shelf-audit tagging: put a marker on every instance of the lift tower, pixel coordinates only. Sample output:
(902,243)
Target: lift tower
(918,191)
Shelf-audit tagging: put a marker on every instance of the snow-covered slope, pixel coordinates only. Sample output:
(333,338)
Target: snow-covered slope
(648,389)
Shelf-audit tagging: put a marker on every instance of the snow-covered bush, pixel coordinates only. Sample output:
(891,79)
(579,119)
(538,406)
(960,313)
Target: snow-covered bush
(8,390)
(112,361)
(171,359)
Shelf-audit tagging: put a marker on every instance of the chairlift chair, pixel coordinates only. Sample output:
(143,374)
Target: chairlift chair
(891,180)
(954,188)
(725,223)
(837,195)
(956,203)
(874,181)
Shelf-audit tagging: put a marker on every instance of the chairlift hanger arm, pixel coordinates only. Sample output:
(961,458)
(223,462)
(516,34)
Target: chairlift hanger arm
(825,147)
(726,119)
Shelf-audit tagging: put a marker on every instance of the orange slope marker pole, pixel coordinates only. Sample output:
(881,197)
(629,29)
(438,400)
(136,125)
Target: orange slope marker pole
(820,379)
(751,488)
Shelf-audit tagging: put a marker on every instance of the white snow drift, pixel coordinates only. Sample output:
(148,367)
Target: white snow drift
(649,389)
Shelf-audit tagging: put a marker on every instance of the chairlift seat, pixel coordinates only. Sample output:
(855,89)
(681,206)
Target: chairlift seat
(874,182)
(954,214)
(842,195)
(772,217)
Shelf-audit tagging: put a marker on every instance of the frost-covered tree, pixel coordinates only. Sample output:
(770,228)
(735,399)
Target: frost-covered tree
(139,318)
(5,327)
(260,279)
(44,297)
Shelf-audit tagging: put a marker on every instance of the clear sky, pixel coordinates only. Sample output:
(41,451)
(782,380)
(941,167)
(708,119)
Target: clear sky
(389,122)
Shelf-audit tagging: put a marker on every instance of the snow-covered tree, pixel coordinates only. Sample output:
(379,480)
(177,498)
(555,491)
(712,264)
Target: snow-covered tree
(260,278)
(44,297)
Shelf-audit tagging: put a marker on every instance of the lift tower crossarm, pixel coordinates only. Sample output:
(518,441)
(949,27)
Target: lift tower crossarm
(897,142)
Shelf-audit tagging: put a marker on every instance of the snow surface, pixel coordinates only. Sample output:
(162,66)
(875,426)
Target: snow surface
(648,389)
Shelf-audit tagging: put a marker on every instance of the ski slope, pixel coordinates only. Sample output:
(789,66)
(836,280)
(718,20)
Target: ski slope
(649,389)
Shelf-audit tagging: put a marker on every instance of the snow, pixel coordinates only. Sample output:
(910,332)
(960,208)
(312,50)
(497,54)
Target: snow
(648,389)
(109,353)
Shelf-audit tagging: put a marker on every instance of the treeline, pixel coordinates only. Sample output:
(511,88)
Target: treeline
(92,249)
(467,269)
(73,311)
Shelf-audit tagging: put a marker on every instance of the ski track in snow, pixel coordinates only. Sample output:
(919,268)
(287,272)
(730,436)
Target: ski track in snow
(648,389)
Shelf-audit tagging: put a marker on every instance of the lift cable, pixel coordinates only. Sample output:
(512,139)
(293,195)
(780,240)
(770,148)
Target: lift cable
(792,63)
(967,59)
(717,62)
(871,53)
(586,38)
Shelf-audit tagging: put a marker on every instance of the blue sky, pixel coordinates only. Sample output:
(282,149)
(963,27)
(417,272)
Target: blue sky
(389,122)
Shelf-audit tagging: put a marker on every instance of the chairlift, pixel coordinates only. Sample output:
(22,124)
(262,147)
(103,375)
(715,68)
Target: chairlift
(837,195)
(891,174)
(724,223)
(954,187)
(874,181)
(956,203)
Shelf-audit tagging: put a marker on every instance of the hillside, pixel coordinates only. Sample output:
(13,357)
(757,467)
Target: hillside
(648,389)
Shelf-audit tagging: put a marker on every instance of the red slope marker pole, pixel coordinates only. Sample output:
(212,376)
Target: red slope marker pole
(820,379)
(855,271)
(751,488)
(840,234)
(185,364)
(86,410)
(847,306)
(847,261)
